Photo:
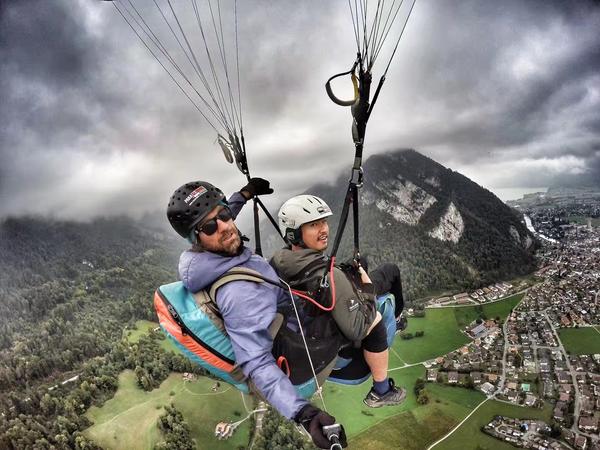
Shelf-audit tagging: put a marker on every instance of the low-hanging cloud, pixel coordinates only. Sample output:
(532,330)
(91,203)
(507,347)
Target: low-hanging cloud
(506,92)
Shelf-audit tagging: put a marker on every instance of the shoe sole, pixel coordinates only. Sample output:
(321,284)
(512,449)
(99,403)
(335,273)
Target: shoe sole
(379,405)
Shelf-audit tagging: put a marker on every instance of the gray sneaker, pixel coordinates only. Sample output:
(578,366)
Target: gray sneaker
(401,323)
(394,396)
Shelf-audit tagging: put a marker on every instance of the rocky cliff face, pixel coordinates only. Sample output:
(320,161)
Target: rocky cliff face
(403,200)
(444,230)
(451,226)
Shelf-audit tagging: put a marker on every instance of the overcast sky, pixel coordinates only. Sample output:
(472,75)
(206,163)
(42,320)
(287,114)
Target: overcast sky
(505,92)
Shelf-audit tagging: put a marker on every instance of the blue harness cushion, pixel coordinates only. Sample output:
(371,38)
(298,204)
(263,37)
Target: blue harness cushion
(355,370)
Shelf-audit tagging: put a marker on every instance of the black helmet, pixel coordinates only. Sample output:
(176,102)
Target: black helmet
(190,204)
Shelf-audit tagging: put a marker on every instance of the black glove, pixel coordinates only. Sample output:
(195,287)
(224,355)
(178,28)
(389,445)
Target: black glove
(257,186)
(350,269)
(313,420)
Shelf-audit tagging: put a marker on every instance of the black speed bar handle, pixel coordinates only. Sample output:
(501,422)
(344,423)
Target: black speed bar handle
(333,435)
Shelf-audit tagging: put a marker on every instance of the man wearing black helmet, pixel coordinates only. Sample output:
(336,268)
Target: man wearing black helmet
(199,213)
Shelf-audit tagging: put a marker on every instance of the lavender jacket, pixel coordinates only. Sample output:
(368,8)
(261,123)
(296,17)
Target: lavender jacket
(248,308)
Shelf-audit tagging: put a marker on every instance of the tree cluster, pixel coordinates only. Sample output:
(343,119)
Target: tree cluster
(407,336)
(420,392)
(175,430)
(278,433)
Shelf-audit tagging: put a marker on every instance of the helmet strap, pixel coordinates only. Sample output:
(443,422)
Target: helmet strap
(293,236)
(193,237)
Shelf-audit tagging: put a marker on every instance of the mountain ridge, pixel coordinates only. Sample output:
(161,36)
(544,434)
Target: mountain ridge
(427,217)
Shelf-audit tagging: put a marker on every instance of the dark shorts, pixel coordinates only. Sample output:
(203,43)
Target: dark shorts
(386,278)
(376,340)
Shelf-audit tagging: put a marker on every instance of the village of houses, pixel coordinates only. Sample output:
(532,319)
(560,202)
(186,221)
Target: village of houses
(522,361)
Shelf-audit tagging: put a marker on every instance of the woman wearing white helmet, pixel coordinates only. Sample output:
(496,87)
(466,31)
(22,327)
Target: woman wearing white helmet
(303,222)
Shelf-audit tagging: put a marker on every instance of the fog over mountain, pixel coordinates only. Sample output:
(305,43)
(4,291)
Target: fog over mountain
(506,93)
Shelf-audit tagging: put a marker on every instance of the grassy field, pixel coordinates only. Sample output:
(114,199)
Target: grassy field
(469,435)
(581,220)
(442,335)
(142,327)
(442,330)
(580,341)
(345,402)
(412,426)
(502,308)
(128,420)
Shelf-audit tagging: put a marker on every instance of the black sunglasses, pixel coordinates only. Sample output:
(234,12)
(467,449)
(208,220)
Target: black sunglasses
(211,226)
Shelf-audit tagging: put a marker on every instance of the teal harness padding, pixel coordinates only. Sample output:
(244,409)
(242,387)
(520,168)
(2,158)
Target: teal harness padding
(200,335)
(385,306)
(204,328)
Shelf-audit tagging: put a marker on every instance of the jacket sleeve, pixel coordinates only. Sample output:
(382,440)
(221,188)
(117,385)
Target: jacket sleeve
(352,313)
(247,319)
(236,203)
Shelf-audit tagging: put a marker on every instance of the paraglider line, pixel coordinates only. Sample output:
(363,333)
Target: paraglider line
(400,37)
(165,68)
(220,116)
(354,26)
(387,26)
(237,63)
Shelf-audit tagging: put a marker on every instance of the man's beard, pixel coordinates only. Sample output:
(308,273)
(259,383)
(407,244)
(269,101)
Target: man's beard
(233,245)
(226,245)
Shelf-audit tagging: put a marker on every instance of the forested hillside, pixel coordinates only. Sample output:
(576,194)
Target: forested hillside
(66,321)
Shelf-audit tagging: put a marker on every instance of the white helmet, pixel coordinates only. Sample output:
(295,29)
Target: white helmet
(299,210)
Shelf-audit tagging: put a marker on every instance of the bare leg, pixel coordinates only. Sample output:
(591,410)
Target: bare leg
(378,363)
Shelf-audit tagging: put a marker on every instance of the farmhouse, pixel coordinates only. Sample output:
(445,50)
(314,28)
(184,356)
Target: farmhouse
(488,388)
(588,424)
(453,377)
(580,442)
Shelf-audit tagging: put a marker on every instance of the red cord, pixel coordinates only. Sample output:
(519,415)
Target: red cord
(332,282)
(303,295)
(280,362)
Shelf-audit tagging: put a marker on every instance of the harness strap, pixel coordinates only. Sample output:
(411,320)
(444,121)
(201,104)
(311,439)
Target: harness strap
(235,274)
(361,111)
(205,299)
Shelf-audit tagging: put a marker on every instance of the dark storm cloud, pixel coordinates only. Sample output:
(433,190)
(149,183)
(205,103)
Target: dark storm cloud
(512,79)
(50,69)
(507,92)
(74,113)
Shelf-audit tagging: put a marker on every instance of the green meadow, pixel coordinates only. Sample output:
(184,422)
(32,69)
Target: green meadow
(442,330)
(580,341)
(442,335)
(128,420)
(142,327)
(412,426)
(469,435)
(582,220)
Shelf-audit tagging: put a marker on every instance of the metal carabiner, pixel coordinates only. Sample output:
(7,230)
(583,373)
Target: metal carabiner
(354,79)
(356,177)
